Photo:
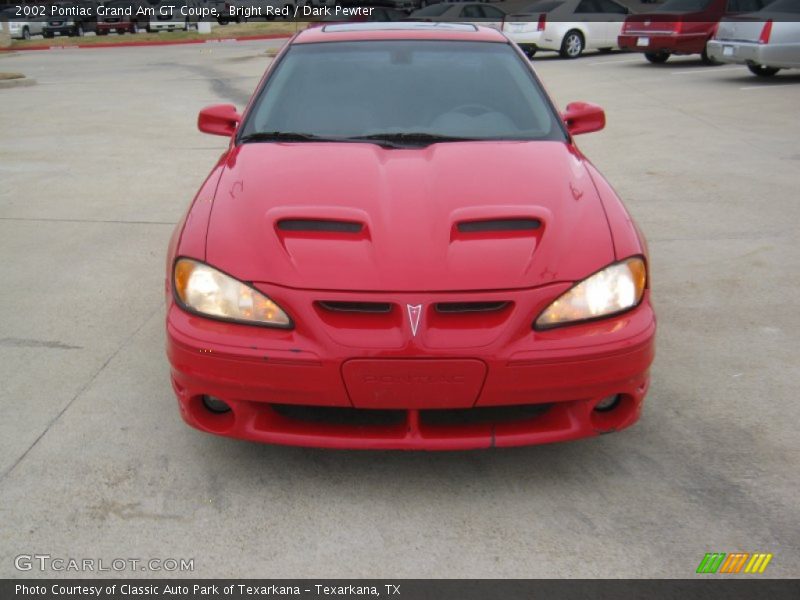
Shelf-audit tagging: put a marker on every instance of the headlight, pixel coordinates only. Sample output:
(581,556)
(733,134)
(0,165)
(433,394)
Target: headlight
(615,289)
(205,290)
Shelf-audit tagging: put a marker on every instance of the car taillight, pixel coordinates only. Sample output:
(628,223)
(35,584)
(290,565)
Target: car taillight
(677,27)
(766,32)
(542,21)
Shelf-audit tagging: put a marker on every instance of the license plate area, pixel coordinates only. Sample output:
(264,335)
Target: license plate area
(727,51)
(643,42)
(413,383)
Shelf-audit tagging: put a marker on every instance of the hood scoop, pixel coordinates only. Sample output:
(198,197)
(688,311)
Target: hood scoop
(499,225)
(319,226)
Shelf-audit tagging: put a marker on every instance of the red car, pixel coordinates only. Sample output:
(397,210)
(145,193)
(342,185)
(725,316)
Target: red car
(122,16)
(680,27)
(403,248)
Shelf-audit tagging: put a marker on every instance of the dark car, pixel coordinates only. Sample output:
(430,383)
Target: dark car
(680,27)
(122,16)
(71,18)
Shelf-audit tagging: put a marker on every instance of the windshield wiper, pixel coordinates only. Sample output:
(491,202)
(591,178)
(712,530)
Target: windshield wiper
(285,136)
(412,138)
(393,140)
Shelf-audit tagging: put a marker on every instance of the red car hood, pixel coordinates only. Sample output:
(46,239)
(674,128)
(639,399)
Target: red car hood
(401,210)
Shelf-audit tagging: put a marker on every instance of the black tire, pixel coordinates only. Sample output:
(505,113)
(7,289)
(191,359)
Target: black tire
(657,58)
(572,45)
(48,34)
(708,59)
(762,71)
(26,33)
(528,50)
(102,32)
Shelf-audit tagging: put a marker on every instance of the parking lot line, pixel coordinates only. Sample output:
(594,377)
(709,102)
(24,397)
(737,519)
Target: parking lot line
(705,70)
(766,86)
(614,62)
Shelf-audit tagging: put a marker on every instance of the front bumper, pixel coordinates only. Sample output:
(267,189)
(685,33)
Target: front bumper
(261,372)
(167,25)
(657,43)
(109,26)
(60,29)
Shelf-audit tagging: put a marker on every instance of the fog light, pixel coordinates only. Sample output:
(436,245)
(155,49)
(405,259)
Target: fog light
(607,404)
(215,405)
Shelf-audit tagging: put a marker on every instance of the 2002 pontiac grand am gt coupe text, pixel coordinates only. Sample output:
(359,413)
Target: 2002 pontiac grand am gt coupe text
(403,248)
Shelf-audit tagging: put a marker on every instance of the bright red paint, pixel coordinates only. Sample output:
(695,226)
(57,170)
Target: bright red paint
(408,253)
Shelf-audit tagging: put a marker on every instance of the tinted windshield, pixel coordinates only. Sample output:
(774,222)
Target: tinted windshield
(476,90)
(684,5)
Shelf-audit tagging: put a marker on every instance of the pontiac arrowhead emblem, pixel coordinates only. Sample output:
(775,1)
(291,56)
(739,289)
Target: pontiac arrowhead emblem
(414,313)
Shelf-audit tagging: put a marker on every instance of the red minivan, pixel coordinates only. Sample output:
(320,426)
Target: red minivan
(680,27)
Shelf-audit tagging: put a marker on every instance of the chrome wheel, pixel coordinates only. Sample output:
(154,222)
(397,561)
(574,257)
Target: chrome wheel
(572,46)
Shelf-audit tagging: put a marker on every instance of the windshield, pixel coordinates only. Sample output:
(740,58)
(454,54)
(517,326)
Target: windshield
(452,89)
(684,5)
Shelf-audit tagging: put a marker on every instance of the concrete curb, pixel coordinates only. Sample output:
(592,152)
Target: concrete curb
(244,38)
(19,82)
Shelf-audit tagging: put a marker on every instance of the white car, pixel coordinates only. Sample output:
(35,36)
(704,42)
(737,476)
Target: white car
(23,30)
(766,41)
(172,15)
(567,26)
(462,12)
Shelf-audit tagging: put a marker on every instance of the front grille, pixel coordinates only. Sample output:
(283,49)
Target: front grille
(356,307)
(366,417)
(338,415)
(466,307)
(482,415)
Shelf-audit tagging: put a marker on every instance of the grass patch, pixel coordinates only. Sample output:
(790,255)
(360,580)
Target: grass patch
(217,32)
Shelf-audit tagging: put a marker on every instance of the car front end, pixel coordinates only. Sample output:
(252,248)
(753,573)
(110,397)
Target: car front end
(399,298)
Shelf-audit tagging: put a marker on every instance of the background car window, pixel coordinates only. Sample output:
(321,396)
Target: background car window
(607,6)
(471,12)
(347,89)
(684,5)
(747,5)
(792,6)
(490,12)
(587,6)
(542,7)
(434,10)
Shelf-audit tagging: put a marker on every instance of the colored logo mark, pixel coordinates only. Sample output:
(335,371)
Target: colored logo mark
(737,562)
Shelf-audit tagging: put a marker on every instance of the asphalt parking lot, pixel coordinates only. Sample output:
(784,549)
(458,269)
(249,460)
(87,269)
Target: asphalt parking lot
(101,158)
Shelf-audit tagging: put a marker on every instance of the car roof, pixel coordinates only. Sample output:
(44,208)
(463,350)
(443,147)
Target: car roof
(353,32)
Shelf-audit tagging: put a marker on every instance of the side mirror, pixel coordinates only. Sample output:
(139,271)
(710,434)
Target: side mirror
(219,119)
(583,117)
